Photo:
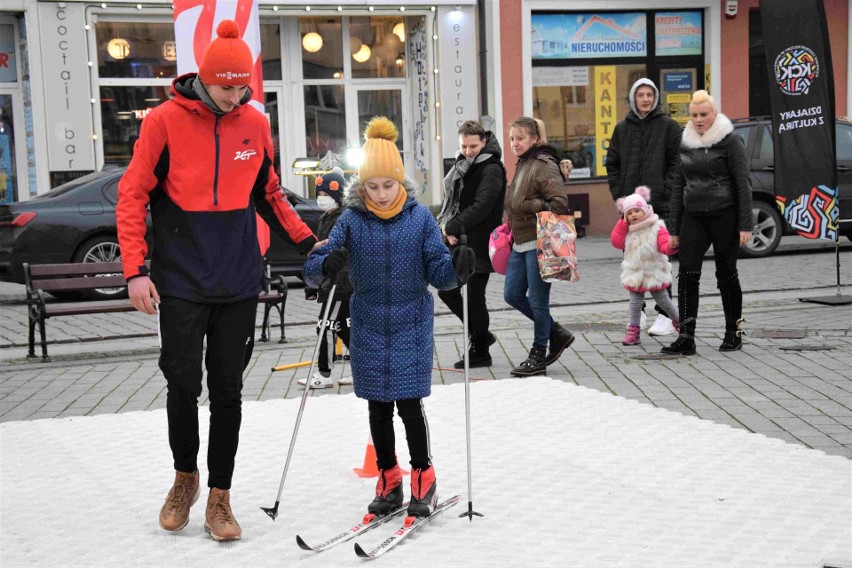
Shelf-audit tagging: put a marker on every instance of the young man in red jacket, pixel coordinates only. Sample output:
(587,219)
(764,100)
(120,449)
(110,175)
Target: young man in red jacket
(203,162)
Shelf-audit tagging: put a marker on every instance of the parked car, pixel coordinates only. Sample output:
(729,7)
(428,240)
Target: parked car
(75,222)
(769,226)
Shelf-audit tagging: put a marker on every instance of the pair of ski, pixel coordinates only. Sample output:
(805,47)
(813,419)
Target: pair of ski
(370,522)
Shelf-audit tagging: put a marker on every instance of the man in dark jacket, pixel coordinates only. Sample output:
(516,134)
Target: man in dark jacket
(643,150)
(474,190)
(203,161)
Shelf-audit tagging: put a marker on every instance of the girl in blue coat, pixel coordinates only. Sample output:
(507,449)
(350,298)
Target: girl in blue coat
(394,250)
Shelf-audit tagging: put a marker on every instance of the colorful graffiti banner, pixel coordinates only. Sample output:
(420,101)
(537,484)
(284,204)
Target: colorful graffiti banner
(801,96)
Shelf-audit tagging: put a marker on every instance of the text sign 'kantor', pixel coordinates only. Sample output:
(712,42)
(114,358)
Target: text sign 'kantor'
(457,73)
(66,87)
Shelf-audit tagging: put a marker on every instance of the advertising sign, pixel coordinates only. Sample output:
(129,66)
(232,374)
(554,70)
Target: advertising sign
(678,33)
(801,96)
(8,68)
(560,76)
(589,35)
(459,91)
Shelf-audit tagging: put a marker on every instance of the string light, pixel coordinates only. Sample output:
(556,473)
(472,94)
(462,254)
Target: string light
(307,8)
(275,8)
(371,8)
(340,8)
(402,8)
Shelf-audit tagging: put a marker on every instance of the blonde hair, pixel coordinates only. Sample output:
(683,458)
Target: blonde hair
(703,96)
(533,127)
(542,133)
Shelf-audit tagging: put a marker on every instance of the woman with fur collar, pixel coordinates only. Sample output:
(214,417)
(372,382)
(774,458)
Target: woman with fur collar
(711,205)
(643,237)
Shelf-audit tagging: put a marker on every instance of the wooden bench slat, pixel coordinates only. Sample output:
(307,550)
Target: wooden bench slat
(84,283)
(79,308)
(42,270)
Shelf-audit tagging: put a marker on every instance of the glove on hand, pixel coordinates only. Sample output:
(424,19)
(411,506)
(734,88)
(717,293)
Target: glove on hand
(335,261)
(464,262)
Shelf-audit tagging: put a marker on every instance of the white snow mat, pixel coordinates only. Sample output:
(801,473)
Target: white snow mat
(565,476)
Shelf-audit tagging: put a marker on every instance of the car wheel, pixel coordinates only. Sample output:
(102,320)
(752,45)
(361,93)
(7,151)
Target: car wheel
(767,232)
(101,249)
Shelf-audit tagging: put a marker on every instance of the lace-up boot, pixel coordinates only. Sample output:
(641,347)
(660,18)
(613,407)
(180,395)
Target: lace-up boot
(220,522)
(535,364)
(184,493)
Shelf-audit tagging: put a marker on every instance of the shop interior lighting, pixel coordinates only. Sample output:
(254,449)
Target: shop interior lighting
(306,163)
(354,157)
(363,54)
(399,31)
(312,42)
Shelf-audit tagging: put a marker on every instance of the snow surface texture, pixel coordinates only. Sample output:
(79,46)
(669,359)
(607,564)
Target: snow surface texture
(566,476)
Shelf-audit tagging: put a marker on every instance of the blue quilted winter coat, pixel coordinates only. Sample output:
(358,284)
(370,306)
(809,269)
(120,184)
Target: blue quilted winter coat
(392,263)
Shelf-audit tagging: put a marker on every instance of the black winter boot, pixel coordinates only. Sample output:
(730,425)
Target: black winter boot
(388,492)
(535,364)
(478,355)
(687,303)
(732,304)
(560,340)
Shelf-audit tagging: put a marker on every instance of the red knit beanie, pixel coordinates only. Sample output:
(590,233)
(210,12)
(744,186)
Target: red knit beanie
(228,59)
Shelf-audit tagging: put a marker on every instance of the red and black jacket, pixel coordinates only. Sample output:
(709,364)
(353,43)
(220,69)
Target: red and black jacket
(205,176)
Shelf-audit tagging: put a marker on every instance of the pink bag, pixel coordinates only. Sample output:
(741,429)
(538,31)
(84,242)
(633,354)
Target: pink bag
(500,247)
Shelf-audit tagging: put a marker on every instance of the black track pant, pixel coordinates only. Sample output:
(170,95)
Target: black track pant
(337,326)
(228,329)
(477,318)
(416,432)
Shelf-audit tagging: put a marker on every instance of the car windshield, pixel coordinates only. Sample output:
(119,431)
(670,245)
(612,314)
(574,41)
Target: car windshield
(73,184)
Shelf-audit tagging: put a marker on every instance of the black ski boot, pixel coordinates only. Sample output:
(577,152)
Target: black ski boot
(687,303)
(732,304)
(478,355)
(535,364)
(560,340)
(388,492)
(424,492)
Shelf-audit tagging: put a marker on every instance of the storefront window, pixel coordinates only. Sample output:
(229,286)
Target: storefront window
(580,106)
(325,119)
(122,112)
(384,102)
(322,48)
(377,47)
(270,47)
(136,49)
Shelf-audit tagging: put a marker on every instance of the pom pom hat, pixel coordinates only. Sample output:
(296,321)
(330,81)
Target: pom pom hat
(331,184)
(228,59)
(381,156)
(639,200)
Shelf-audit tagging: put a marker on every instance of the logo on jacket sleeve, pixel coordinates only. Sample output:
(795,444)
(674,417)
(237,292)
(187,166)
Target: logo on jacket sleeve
(244,154)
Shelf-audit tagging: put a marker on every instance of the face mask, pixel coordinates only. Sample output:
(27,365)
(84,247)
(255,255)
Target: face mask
(326,202)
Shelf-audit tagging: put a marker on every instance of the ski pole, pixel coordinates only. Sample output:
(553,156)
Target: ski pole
(470,512)
(273,511)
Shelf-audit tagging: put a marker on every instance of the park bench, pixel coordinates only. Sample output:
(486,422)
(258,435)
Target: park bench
(79,277)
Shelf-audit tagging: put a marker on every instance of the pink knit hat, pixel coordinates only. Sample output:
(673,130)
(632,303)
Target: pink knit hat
(638,200)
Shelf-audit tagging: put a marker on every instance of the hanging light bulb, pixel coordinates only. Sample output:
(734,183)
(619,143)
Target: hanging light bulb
(362,54)
(312,42)
(399,31)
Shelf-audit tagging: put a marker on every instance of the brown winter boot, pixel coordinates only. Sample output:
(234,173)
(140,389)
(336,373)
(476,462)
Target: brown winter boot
(220,521)
(175,512)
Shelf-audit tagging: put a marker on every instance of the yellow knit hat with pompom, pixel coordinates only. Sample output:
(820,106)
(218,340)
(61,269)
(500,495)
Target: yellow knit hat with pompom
(381,156)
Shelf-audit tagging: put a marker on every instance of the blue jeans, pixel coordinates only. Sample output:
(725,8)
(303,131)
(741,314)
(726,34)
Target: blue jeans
(522,275)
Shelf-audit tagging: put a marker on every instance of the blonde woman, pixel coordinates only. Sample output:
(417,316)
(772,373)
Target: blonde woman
(711,205)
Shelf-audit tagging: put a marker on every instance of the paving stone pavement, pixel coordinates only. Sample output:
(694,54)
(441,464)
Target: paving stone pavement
(792,380)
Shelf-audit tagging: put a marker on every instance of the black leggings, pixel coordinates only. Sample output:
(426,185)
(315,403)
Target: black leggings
(478,319)
(416,432)
(698,232)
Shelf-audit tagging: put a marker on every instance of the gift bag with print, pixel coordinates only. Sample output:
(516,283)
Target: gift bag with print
(556,247)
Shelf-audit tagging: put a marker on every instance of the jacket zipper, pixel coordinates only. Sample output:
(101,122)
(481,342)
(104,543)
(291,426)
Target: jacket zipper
(216,171)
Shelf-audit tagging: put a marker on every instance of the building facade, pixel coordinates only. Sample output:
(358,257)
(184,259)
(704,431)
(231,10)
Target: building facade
(78,77)
(571,63)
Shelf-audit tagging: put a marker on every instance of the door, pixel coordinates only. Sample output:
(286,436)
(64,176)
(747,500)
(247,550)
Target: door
(381,100)
(13,179)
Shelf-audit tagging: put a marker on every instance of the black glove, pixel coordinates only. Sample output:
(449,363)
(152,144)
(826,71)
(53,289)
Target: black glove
(464,262)
(335,261)
(343,286)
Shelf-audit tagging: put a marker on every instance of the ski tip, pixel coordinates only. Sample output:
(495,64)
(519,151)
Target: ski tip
(302,544)
(360,551)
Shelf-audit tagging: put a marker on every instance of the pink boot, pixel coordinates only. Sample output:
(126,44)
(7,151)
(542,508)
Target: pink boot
(632,336)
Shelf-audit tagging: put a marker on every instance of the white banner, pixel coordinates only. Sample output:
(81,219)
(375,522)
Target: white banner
(67,92)
(457,73)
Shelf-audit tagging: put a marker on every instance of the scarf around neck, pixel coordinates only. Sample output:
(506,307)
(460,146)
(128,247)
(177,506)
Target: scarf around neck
(391,210)
(453,190)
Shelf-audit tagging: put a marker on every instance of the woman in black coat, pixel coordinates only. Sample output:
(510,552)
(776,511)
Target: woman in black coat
(711,204)
(474,190)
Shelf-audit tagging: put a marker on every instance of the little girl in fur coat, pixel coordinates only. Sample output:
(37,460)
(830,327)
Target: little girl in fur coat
(645,241)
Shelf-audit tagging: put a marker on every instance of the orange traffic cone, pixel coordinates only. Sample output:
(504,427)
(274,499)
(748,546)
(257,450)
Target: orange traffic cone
(370,468)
